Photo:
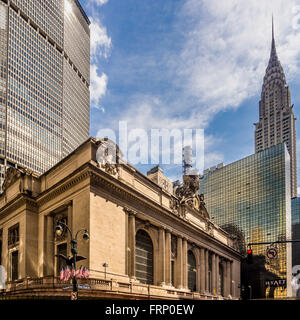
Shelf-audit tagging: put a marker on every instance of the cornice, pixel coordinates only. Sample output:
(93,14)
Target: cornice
(21,200)
(64,185)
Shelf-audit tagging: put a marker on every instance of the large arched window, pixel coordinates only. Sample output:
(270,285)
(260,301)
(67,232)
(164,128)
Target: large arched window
(192,271)
(144,257)
(221,280)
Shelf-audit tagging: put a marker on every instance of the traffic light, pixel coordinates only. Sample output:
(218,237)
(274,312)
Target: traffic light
(249,256)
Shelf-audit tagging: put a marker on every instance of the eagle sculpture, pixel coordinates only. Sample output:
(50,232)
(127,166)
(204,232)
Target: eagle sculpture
(70,260)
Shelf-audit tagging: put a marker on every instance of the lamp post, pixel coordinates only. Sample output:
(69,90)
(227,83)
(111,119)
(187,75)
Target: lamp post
(59,231)
(105,265)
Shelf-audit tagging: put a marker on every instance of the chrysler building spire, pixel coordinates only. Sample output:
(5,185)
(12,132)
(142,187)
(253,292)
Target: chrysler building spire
(276,117)
(273,49)
(273,56)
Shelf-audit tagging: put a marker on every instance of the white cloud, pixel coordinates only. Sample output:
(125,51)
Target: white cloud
(149,112)
(99,2)
(98,87)
(226,53)
(100,48)
(100,41)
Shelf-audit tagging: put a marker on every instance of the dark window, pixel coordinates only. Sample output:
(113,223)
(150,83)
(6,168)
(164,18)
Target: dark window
(221,280)
(61,249)
(14,265)
(144,257)
(13,235)
(210,273)
(172,272)
(192,272)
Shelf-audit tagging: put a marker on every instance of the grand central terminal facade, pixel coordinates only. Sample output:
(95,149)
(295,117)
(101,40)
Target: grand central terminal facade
(148,239)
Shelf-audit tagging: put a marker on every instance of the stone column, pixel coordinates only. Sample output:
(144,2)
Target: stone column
(197,251)
(213,275)
(5,257)
(161,256)
(168,257)
(179,282)
(49,241)
(206,271)
(131,244)
(217,274)
(228,273)
(232,283)
(41,245)
(202,270)
(184,264)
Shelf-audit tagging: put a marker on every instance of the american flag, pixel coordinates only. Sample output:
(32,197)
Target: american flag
(67,274)
(62,274)
(79,273)
(85,273)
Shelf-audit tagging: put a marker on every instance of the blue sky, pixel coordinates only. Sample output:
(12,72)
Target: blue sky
(190,64)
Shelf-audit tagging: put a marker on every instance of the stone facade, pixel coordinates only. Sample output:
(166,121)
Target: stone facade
(114,204)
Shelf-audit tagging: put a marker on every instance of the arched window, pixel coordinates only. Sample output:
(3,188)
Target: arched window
(144,257)
(221,280)
(192,271)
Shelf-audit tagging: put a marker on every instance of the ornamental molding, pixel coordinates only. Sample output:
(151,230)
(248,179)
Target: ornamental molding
(57,190)
(16,203)
(129,211)
(12,175)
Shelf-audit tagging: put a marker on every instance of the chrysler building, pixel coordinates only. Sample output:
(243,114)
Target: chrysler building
(276,117)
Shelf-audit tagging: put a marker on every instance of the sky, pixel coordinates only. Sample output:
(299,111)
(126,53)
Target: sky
(187,64)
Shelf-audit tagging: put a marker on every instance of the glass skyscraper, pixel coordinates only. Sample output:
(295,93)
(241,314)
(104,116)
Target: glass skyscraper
(296,230)
(44,82)
(251,198)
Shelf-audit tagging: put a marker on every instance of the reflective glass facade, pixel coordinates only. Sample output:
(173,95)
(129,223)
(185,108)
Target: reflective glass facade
(44,82)
(296,230)
(3,85)
(251,199)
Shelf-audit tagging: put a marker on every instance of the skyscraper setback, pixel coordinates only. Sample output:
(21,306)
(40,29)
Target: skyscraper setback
(276,117)
(44,82)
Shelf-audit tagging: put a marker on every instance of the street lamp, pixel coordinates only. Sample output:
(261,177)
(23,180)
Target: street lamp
(105,265)
(59,231)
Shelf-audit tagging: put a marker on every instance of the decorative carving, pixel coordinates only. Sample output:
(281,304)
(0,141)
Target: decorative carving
(129,211)
(174,205)
(12,174)
(108,156)
(202,207)
(187,195)
(209,227)
(188,189)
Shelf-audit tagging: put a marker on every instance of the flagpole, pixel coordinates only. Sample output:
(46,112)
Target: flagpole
(59,231)
(74,252)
